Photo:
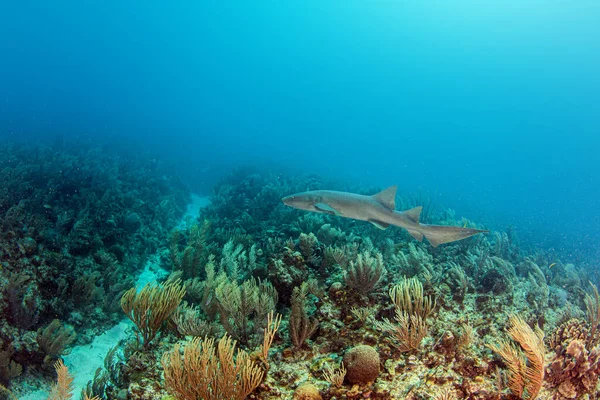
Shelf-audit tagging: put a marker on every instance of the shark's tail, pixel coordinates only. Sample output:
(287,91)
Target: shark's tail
(436,234)
(439,234)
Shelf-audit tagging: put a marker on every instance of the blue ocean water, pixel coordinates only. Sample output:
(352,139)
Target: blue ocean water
(492,108)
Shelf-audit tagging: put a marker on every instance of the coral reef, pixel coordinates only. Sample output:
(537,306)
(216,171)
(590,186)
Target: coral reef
(77,224)
(366,313)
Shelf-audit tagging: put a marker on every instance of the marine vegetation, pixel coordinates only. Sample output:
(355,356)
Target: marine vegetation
(77,224)
(264,301)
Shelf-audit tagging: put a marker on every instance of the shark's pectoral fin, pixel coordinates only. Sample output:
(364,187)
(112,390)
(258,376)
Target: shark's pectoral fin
(326,208)
(379,224)
(416,234)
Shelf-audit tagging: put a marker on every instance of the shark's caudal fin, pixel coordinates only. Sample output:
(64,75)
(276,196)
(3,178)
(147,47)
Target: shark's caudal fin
(439,234)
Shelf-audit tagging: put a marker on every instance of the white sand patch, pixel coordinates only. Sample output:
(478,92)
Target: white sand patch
(193,210)
(152,272)
(83,361)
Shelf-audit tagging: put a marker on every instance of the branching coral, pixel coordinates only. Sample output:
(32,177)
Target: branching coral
(592,304)
(526,362)
(366,273)
(210,372)
(505,245)
(407,332)
(408,297)
(54,339)
(457,279)
(413,262)
(23,299)
(236,261)
(8,368)
(301,326)
(193,256)
(111,378)
(335,256)
(307,244)
(202,292)
(411,311)
(287,269)
(244,307)
(63,389)
(151,307)
(189,322)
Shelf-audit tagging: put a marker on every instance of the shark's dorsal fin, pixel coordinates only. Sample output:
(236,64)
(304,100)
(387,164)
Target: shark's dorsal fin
(413,214)
(379,224)
(387,197)
(326,208)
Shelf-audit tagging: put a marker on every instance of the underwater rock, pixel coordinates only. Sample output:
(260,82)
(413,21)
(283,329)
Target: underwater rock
(28,245)
(122,394)
(495,282)
(335,289)
(132,222)
(307,391)
(362,364)
(51,239)
(118,251)
(496,276)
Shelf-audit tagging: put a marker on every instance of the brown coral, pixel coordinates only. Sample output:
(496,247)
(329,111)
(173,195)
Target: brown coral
(307,391)
(362,364)
(566,332)
(574,371)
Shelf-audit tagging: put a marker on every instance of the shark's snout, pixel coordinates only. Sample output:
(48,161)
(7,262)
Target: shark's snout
(298,200)
(287,200)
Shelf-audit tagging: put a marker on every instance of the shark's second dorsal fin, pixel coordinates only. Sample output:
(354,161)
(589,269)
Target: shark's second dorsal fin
(387,197)
(413,214)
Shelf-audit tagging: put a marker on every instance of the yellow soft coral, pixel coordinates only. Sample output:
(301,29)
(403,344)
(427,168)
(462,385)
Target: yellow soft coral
(526,362)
